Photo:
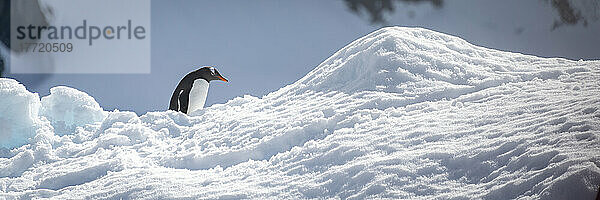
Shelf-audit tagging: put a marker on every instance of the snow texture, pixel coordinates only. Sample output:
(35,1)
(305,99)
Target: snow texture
(402,113)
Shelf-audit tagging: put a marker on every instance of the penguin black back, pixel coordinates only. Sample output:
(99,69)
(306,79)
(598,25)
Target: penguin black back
(181,96)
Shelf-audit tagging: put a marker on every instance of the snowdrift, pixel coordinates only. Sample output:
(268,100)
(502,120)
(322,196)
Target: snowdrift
(400,113)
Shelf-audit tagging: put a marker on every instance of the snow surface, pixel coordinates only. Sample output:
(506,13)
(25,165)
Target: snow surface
(400,113)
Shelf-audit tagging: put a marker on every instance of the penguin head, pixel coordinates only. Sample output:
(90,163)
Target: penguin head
(209,73)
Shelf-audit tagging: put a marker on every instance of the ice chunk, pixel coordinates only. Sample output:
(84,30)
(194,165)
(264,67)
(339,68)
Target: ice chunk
(68,108)
(18,113)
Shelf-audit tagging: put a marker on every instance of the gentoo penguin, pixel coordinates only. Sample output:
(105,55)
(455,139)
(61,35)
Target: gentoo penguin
(191,91)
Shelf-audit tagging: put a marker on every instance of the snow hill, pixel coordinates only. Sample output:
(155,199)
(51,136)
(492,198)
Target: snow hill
(402,113)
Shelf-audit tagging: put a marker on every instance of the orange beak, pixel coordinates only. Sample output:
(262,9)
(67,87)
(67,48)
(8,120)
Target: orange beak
(223,79)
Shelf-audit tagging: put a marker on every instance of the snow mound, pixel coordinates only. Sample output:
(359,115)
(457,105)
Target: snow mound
(68,108)
(402,113)
(422,65)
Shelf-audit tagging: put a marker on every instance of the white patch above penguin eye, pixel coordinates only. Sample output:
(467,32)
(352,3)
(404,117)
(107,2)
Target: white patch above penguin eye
(212,71)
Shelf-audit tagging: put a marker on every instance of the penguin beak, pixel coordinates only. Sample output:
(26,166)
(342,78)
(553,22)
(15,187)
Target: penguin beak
(223,79)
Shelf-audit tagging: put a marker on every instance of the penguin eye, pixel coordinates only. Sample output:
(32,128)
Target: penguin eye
(212,71)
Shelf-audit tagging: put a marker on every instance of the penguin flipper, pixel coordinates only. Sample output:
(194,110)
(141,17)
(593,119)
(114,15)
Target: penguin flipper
(184,99)
(174,104)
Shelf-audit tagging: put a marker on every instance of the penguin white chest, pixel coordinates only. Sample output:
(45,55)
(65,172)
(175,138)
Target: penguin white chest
(198,95)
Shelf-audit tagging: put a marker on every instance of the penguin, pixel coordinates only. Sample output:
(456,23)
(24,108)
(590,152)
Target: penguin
(190,94)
